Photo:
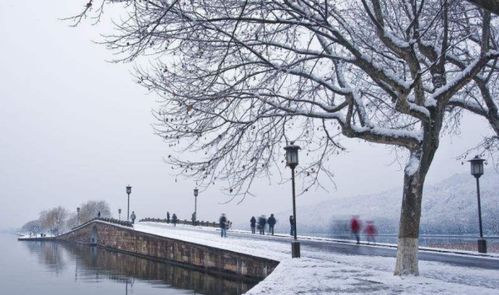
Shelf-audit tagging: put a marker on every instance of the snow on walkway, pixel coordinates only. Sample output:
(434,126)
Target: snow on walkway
(209,236)
(319,272)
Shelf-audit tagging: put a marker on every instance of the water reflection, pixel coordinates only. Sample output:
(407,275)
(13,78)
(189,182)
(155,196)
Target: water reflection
(94,265)
(48,255)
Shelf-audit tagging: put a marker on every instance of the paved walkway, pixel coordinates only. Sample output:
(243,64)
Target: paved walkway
(454,257)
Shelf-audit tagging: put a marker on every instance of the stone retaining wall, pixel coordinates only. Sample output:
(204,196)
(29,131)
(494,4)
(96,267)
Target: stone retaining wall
(156,247)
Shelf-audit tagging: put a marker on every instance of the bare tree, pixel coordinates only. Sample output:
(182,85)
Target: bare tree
(33,226)
(58,219)
(72,220)
(241,78)
(90,210)
(53,219)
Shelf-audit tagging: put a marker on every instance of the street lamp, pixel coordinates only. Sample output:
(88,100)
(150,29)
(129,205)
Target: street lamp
(128,192)
(196,193)
(78,214)
(119,214)
(477,171)
(292,162)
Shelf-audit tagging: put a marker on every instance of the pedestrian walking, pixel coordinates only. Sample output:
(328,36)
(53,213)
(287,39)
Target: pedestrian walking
(253,224)
(98,214)
(223,224)
(167,217)
(355,227)
(262,221)
(132,217)
(174,219)
(271,221)
(292,225)
(371,232)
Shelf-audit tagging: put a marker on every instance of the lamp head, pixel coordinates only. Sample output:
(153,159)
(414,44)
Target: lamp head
(292,155)
(476,166)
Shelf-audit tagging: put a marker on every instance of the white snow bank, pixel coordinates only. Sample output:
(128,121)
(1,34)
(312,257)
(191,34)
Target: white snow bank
(341,274)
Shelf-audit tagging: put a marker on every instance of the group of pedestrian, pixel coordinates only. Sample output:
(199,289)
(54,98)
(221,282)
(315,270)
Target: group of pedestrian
(173,220)
(370,229)
(263,221)
(260,224)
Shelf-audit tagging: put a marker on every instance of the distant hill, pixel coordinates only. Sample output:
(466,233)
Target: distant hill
(449,206)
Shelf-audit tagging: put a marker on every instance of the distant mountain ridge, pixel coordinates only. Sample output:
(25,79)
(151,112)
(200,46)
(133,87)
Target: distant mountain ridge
(449,207)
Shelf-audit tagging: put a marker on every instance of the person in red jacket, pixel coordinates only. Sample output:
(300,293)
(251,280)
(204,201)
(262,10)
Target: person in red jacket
(355,227)
(371,232)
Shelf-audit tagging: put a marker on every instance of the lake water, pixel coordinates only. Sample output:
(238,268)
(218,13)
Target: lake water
(57,269)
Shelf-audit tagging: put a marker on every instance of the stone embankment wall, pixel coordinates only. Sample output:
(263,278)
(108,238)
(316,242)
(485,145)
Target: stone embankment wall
(127,240)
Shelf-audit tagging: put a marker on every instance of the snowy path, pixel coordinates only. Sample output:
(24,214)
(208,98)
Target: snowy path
(321,272)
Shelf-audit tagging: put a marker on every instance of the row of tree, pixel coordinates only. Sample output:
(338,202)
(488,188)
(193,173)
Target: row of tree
(59,219)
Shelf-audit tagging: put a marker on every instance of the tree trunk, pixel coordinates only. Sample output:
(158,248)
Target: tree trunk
(410,213)
(490,5)
(407,249)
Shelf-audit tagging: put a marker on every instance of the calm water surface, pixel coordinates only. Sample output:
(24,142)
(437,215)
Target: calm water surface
(56,269)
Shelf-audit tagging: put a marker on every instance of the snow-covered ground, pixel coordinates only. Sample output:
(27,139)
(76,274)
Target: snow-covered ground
(27,236)
(320,272)
(210,236)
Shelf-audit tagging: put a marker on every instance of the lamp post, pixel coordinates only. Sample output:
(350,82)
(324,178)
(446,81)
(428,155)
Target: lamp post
(477,171)
(128,192)
(196,193)
(78,214)
(119,214)
(292,162)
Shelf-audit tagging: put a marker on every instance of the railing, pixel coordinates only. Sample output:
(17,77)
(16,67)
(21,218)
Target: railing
(184,221)
(116,221)
(106,219)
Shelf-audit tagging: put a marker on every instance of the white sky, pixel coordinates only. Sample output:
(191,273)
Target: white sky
(74,127)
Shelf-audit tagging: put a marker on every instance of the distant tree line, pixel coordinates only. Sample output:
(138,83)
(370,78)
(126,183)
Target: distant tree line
(59,219)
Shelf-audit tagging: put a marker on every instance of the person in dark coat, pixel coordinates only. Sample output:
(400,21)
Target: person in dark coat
(223,225)
(98,214)
(253,224)
(262,221)
(193,218)
(271,221)
(132,217)
(355,227)
(174,219)
(167,217)
(292,225)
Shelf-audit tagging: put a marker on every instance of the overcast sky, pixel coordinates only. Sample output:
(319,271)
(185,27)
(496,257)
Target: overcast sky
(74,127)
